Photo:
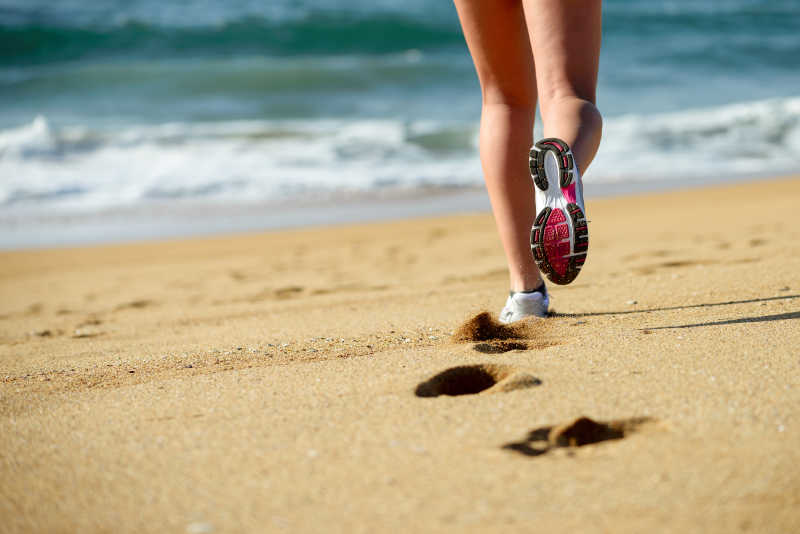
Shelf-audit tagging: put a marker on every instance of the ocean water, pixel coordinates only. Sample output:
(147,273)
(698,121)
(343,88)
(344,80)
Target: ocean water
(111,105)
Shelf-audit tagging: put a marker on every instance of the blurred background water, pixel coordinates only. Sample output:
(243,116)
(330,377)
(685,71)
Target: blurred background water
(128,104)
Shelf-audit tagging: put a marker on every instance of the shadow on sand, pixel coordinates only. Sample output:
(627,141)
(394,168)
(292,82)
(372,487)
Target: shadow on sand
(758,319)
(670,308)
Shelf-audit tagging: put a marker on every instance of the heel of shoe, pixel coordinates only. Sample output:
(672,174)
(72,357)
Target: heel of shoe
(566,163)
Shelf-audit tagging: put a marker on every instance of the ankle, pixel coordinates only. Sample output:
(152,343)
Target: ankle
(526,286)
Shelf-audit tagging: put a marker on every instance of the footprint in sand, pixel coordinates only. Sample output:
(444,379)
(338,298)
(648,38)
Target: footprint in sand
(493,337)
(473,379)
(238,276)
(135,305)
(89,321)
(281,293)
(499,347)
(87,332)
(648,254)
(668,265)
(580,432)
(287,292)
(494,274)
(345,288)
(436,233)
(43,332)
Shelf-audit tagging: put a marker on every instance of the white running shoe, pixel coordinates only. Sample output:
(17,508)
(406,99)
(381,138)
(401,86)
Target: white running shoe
(560,234)
(522,305)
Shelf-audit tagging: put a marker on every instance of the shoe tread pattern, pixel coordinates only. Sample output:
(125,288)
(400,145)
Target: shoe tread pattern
(548,244)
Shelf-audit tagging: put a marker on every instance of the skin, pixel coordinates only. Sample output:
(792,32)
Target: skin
(524,51)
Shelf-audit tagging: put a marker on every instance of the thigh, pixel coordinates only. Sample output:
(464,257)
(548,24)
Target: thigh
(565,39)
(497,38)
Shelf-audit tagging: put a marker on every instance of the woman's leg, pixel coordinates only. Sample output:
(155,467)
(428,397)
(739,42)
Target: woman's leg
(565,38)
(497,37)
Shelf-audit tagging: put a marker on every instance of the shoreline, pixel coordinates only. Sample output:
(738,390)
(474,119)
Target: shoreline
(176,220)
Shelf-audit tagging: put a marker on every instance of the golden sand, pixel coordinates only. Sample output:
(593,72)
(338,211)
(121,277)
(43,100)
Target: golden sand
(309,381)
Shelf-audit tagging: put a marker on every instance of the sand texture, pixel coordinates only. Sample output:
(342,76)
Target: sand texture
(342,380)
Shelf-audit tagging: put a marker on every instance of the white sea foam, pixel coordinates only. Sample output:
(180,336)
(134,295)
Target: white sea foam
(759,138)
(78,168)
(247,161)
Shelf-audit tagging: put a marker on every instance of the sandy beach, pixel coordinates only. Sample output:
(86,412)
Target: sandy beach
(342,379)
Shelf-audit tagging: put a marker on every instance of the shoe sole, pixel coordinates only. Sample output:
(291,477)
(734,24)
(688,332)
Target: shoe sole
(560,235)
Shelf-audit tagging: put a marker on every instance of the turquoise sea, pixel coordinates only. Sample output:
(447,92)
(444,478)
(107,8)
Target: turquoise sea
(144,106)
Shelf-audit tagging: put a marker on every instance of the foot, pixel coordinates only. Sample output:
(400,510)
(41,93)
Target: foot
(560,236)
(522,305)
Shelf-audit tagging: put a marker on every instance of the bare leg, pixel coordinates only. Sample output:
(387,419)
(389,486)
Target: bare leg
(506,38)
(565,39)
(498,41)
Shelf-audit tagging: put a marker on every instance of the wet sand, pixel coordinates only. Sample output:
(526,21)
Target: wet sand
(309,380)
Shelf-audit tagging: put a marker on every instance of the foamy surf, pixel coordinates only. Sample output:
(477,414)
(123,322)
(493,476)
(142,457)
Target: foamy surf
(83,168)
(748,138)
(245,161)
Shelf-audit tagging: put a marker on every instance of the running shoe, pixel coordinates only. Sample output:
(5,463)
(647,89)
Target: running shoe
(522,305)
(560,236)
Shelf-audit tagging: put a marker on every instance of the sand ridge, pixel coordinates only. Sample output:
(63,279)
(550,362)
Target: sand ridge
(491,336)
